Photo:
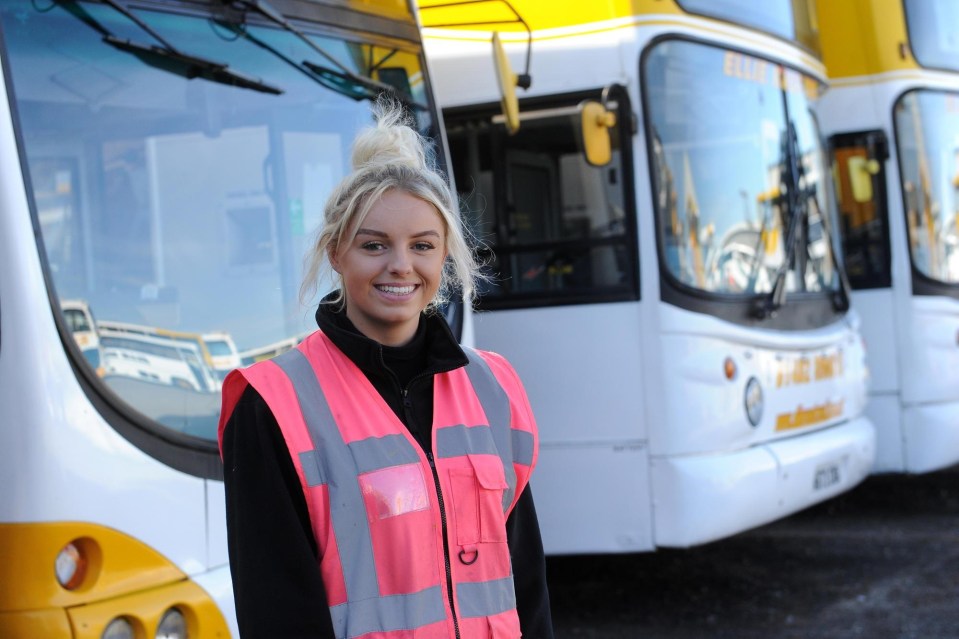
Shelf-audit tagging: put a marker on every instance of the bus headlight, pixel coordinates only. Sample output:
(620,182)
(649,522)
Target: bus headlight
(70,566)
(753,400)
(172,625)
(119,628)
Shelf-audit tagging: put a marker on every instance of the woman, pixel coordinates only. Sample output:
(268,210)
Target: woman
(376,476)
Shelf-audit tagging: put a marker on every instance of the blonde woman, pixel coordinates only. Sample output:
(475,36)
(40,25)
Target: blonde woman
(377,475)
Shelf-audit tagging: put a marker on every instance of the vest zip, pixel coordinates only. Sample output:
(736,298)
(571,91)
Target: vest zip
(408,411)
(446,544)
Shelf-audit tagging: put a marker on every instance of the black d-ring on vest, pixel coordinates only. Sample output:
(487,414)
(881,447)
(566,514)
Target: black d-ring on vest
(465,552)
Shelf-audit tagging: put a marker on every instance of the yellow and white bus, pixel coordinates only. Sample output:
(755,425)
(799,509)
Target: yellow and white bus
(162,164)
(676,308)
(892,116)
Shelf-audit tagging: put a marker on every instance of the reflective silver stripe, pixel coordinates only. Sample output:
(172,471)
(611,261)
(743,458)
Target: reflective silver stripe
(496,406)
(312,468)
(365,611)
(485,598)
(376,453)
(395,612)
(456,441)
(337,464)
(347,507)
(523,447)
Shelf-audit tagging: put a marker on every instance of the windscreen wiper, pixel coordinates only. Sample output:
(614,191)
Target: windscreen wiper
(840,298)
(792,200)
(798,201)
(338,78)
(165,56)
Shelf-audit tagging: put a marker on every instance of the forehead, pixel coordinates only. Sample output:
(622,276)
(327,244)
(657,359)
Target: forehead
(399,211)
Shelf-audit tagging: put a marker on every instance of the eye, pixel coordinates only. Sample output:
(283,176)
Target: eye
(372,246)
(423,246)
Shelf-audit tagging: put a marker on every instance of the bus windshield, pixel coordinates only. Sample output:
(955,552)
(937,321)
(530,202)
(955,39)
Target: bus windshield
(933,37)
(186,205)
(738,171)
(784,18)
(927,134)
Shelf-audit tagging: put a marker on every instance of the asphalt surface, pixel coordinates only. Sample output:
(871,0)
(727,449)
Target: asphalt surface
(881,561)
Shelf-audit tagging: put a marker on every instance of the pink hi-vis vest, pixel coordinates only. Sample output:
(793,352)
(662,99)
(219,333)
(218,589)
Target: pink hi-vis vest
(379,505)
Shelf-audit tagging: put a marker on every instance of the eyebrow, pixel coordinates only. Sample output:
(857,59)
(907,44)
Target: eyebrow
(382,234)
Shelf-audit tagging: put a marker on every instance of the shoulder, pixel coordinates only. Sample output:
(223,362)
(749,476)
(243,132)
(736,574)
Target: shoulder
(496,362)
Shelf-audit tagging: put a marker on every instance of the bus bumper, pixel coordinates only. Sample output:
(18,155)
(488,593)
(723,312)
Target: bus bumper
(50,622)
(916,438)
(701,498)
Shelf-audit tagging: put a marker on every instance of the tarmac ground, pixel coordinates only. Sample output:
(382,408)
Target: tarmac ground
(881,561)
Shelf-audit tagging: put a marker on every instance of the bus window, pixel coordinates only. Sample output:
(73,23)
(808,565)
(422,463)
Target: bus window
(789,19)
(725,145)
(558,228)
(927,133)
(183,207)
(863,213)
(933,37)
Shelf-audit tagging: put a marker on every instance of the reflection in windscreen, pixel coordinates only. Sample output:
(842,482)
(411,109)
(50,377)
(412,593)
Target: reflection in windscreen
(178,211)
(927,132)
(738,199)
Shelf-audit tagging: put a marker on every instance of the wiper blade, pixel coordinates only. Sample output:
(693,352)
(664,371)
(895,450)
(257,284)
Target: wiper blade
(840,299)
(189,66)
(798,201)
(793,201)
(357,87)
(340,78)
(165,56)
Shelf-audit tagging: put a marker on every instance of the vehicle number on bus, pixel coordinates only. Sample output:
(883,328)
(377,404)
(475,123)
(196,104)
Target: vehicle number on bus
(826,475)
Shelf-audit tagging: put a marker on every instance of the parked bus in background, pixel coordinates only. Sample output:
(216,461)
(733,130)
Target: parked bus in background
(163,163)
(892,117)
(224,356)
(81,324)
(662,234)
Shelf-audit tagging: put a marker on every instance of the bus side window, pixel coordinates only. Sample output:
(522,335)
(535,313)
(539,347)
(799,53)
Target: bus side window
(860,186)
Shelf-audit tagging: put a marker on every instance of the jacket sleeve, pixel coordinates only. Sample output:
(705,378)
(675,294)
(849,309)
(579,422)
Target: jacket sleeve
(529,569)
(277,585)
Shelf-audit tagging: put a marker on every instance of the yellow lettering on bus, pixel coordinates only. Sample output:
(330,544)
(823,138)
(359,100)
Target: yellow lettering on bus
(803,417)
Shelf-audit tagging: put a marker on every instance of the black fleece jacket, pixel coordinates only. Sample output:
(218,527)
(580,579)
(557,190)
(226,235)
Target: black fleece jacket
(273,556)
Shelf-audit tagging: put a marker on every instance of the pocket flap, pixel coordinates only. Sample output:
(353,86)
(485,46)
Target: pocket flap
(489,471)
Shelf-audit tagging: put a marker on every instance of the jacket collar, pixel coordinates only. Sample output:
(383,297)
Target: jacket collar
(443,352)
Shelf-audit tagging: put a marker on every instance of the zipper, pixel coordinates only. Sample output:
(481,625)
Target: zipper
(446,543)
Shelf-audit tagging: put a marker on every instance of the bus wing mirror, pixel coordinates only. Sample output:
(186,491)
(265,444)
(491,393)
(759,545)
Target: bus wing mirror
(861,171)
(506,80)
(596,122)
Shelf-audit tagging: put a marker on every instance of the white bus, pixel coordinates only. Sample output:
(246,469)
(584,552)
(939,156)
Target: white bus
(676,309)
(165,162)
(892,114)
(81,323)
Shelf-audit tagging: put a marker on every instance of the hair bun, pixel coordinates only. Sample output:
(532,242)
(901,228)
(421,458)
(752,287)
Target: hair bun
(392,141)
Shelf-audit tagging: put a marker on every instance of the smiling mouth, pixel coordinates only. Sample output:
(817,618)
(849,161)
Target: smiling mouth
(396,290)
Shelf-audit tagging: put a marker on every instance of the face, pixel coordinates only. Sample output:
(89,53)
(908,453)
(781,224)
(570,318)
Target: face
(392,269)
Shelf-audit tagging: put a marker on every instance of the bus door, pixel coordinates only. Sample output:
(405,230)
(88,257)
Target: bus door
(859,173)
(563,280)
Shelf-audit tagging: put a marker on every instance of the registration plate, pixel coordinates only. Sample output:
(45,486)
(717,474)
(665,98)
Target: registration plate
(826,475)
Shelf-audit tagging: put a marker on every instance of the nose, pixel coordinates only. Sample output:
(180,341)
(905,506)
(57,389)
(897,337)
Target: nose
(400,262)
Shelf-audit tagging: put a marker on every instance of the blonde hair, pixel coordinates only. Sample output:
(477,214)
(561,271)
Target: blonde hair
(391,155)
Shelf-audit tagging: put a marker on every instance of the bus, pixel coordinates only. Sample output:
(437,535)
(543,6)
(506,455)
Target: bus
(80,321)
(661,241)
(163,163)
(892,117)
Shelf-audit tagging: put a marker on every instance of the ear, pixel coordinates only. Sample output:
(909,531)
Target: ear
(334,262)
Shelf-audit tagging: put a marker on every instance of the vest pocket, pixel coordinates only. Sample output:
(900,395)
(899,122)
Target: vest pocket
(478,500)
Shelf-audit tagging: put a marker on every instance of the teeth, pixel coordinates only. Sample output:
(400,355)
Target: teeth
(396,290)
